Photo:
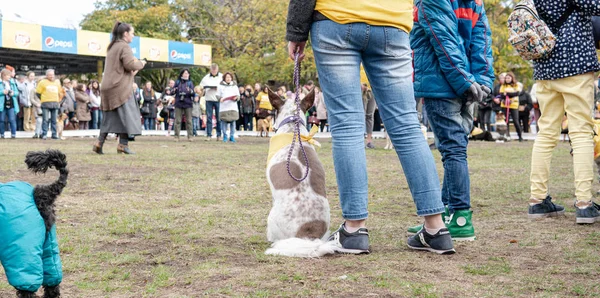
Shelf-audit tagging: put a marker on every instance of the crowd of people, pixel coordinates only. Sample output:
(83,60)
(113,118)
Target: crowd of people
(216,104)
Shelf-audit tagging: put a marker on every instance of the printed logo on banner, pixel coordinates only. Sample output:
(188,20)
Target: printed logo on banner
(22,39)
(154,53)
(176,55)
(94,46)
(51,43)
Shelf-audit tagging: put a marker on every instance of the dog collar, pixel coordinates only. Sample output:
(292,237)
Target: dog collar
(279,141)
(288,120)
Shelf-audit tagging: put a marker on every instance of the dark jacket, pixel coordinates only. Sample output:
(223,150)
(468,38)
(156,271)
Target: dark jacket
(248,103)
(452,46)
(184,94)
(574,52)
(149,100)
(525,100)
(299,19)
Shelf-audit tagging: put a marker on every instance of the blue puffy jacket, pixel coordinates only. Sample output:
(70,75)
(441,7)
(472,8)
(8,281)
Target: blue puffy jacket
(452,45)
(28,253)
(3,97)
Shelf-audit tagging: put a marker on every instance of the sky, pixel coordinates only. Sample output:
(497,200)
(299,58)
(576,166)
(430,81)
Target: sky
(55,13)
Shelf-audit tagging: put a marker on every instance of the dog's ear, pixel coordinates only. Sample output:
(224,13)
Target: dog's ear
(308,101)
(275,100)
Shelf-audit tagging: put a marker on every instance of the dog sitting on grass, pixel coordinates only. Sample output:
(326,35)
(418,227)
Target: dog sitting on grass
(28,243)
(298,224)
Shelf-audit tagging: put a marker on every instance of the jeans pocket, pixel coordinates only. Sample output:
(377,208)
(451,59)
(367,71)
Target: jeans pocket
(333,36)
(397,42)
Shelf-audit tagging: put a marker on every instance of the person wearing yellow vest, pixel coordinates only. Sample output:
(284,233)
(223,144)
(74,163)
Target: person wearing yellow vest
(344,34)
(509,92)
(49,91)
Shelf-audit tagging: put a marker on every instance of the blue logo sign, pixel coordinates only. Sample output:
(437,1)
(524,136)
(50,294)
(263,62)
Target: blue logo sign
(135,46)
(180,52)
(59,40)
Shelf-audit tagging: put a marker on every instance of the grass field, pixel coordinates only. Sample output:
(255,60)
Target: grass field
(189,220)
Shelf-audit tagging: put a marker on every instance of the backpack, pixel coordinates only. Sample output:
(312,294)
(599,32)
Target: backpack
(529,34)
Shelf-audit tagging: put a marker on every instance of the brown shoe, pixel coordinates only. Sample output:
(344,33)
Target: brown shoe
(124,149)
(190,140)
(97,147)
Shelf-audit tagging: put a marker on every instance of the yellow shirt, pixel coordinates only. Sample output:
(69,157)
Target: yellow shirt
(514,101)
(50,91)
(264,103)
(390,13)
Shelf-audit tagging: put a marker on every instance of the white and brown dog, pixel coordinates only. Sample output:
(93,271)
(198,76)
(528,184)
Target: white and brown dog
(298,224)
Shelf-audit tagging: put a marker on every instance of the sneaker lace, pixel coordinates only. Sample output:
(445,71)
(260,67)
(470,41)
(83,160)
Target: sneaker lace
(548,202)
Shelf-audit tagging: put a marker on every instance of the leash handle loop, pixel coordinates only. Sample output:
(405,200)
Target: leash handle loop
(297,120)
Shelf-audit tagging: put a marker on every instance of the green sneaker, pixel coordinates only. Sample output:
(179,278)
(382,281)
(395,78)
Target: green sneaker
(415,229)
(459,224)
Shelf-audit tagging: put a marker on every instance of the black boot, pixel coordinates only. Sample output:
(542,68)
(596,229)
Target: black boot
(25,294)
(51,292)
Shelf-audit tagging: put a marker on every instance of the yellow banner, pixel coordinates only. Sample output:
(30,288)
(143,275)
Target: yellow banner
(154,49)
(202,54)
(92,43)
(21,36)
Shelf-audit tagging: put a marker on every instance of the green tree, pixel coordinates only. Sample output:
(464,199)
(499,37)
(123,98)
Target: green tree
(248,37)
(149,18)
(505,57)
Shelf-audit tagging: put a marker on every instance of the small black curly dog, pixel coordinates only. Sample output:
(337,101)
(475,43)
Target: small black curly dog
(29,247)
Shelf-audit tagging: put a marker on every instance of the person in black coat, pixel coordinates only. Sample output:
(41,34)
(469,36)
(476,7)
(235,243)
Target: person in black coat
(525,106)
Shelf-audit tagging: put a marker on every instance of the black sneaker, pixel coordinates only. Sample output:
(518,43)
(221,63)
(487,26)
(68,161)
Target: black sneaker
(350,243)
(545,209)
(440,243)
(587,215)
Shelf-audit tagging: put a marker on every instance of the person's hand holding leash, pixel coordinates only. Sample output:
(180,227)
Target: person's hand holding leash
(296,47)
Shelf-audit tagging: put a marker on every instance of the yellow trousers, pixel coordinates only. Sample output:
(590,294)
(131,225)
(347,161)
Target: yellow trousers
(575,96)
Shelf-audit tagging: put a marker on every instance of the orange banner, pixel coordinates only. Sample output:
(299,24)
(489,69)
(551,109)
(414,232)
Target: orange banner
(154,49)
(92,43)
(202,54)
(21,36)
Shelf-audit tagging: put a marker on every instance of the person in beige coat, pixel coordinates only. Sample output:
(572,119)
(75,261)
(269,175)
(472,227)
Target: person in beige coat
(121,114)
(83,110)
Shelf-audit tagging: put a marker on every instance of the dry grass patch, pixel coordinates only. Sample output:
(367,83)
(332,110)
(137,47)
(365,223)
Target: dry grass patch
(189,220)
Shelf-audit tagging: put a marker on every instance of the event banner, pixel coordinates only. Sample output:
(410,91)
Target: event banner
(154,49)
(202,55)
(181,52)
(0,34)
(59,40)
(135,46)
(21,36)
(92,43)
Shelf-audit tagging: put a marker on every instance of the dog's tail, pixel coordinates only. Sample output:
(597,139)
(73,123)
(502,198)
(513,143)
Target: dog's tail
(301,247)
(45,195)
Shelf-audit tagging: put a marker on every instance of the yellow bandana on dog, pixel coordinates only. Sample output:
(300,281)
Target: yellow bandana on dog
(279,141)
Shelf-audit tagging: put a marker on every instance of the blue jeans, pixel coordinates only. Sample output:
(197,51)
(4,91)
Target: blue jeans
(248,125)
(209,114)
(196,125)
(387,58)
(52,114)
(12,121)
(451,121)
(231,126)
(96,119)
(149,124)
